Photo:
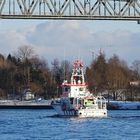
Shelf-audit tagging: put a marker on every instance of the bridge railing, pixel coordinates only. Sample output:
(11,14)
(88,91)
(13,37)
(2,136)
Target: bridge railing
(71,9)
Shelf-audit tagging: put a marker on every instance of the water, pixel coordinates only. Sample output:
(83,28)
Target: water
(45,125)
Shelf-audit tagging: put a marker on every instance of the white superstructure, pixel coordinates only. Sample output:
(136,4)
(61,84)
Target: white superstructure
(76,100)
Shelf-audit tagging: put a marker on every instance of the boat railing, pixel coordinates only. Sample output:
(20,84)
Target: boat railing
(101,102)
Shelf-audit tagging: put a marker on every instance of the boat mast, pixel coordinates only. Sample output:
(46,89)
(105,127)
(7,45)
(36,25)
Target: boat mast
(77,73)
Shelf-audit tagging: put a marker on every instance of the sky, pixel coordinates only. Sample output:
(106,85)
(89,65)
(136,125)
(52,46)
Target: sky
(71,40)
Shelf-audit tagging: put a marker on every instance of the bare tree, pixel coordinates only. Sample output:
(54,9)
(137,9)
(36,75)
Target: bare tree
(136,69)
(25,52)
(118,75)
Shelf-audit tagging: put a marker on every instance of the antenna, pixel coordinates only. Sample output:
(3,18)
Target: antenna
(78,53)
(64,65)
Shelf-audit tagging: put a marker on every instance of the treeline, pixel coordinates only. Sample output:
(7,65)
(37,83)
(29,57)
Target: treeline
(24,69)
(113,78)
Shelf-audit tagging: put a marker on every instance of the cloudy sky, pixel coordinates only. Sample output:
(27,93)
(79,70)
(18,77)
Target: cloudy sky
(72,39)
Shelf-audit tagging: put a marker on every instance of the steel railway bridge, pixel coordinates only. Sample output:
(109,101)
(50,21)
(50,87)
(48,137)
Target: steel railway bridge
(71,9)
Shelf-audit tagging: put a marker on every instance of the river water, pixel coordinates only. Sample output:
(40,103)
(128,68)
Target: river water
(45,125)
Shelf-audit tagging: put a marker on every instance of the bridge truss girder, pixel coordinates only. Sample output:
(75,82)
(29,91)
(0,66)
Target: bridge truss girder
(70,9)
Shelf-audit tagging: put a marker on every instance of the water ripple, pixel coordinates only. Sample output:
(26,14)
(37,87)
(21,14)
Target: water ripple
(46,125)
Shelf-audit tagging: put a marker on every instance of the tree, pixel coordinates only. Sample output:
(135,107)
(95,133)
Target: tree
(118,75)
(24,54)
(40,77)
(65,69)
(136,69)
(96,73)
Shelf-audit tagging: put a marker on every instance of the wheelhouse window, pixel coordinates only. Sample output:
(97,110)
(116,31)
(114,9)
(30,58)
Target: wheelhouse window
(81,89)
(66,89)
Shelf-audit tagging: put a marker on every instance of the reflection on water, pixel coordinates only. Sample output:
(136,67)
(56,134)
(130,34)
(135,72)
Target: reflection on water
(46,124)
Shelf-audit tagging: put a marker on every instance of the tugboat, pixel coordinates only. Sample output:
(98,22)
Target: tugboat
(76,100)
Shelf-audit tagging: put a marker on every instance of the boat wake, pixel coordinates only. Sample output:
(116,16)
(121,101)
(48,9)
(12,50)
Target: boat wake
(60,116)
(124,117)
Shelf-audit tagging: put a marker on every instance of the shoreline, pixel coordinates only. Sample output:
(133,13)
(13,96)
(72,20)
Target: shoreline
(112,105)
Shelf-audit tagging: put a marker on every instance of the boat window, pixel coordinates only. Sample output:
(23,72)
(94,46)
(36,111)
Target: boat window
(90,99)
(71,100)
(81,89)
(66,89)
(89,102)
(79,101)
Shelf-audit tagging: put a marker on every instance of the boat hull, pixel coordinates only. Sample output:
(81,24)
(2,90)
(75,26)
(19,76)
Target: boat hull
(82,113)
(92,113)
(58,109)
